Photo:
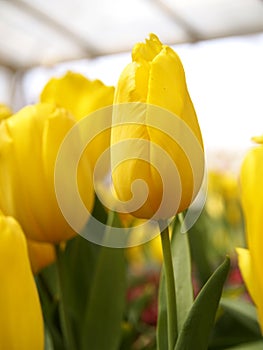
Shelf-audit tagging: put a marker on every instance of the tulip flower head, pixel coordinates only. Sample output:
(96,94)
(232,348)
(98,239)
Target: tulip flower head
(250,260)
(21,322)
(29,144)
(157,156)
(82,97)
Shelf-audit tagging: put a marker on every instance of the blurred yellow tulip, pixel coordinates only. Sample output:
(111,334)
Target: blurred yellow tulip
(21,322)
(81,97)
(29,143)
(5,111)
(147,253)
(251,259)
(40,254)
(155,78)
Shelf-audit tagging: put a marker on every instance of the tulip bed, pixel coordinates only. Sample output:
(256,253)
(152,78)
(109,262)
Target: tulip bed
(110,237)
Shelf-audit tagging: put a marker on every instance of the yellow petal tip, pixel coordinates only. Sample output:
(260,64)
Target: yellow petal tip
(148,50)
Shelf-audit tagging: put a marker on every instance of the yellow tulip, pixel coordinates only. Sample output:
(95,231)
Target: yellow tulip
(251,260)
(81,97)
(40,255)
(29,143)
(21,322)
(5,111)
(155,77)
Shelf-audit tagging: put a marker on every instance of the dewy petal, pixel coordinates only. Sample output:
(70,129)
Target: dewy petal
(21,322)
(245,263)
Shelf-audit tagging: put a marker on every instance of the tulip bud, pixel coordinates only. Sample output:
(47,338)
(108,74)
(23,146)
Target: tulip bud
(250,261)
(81,97)
(160,143)
(21,322)
(29,144)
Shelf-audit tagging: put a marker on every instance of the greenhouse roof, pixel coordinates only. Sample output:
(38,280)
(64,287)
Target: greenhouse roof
(35,32)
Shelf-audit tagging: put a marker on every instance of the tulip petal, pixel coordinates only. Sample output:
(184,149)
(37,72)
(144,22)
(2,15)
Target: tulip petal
(148,50)
(79,95)
(21,322)
(252,202)
(29,143)
(133,83)
(245,263)
(82,97)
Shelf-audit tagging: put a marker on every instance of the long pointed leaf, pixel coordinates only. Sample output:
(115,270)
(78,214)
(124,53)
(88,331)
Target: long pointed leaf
(104,311)
(102,324)
(199,323)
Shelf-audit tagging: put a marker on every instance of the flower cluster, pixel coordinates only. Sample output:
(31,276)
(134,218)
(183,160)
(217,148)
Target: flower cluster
(61,291)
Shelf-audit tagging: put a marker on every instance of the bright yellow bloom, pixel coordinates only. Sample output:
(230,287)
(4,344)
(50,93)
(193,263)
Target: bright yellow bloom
(81,97)
(251,260)
(40,255)
(21,322)
(5,111)
(29,143)
(155,78)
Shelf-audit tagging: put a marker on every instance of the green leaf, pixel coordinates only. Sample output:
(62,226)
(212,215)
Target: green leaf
(258,345)
(199,323)
(243,311)
(102,323)
(101,328)
(200,245)
(79,261)
(48,340)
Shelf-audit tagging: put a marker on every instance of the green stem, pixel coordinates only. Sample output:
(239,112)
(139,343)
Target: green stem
(65,323)
(170,286)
